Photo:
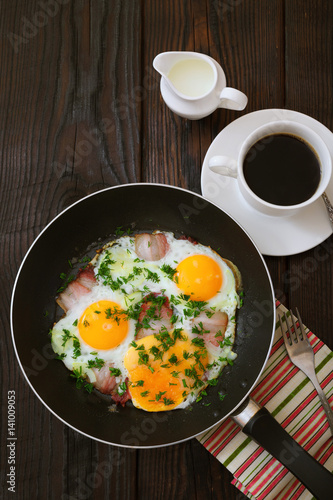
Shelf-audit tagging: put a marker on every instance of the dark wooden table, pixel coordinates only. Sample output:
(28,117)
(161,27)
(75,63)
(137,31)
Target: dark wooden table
(67,67)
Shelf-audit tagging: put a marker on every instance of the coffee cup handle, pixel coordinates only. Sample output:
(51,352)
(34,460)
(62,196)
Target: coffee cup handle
(232,99)
(223,165)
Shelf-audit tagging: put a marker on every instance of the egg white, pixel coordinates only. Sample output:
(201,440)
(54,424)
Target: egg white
(69,324)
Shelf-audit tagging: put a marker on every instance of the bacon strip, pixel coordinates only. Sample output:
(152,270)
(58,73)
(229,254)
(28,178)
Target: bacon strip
(82,285)
(213,327)
(86,277)
(105,382)
(71,295)
(126,396)
(155,315)
(151,247)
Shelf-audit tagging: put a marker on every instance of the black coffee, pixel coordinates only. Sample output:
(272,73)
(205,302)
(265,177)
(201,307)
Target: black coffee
(282,169)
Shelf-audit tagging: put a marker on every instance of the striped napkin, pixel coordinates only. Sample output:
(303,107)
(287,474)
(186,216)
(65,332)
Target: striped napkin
(292,400)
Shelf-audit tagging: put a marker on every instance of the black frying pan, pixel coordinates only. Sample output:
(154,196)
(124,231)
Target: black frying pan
(79,231)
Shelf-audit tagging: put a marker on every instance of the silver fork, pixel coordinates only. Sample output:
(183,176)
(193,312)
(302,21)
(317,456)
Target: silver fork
(301,355)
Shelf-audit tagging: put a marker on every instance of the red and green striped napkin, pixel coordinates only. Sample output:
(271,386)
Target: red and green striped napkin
(291,398)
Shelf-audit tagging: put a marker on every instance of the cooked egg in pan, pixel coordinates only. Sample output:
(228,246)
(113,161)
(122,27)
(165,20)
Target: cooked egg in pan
(151,319)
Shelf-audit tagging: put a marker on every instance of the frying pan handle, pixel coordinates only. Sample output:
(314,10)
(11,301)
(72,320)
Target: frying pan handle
(258,423)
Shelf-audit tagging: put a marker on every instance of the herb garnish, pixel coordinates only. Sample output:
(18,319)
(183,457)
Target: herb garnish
(122,388)
(96,363)
(80,380)
(115,372)
(168,270)
(66,336)
(77,347)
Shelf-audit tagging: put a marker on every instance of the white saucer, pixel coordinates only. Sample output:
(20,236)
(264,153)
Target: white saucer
(273,236)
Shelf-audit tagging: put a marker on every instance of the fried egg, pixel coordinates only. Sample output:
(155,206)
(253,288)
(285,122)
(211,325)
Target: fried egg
(154,323)
(166,380)
(96,328)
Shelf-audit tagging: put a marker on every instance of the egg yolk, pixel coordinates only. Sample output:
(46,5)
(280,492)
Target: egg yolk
(161,377)
(199,276)
(102,325)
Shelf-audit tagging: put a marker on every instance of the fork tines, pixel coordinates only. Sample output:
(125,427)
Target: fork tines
(297,328)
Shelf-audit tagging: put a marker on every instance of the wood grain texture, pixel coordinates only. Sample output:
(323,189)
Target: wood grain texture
(80,110)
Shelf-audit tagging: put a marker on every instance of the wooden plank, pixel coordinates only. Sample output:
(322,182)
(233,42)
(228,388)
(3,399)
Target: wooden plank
(163,132)
(64,82)
(309,89)
(309,54)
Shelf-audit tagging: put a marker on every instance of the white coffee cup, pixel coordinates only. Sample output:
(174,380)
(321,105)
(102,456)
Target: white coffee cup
(233,167)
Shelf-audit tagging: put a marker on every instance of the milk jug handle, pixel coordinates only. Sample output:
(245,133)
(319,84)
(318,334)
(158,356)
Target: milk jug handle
(232,99)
